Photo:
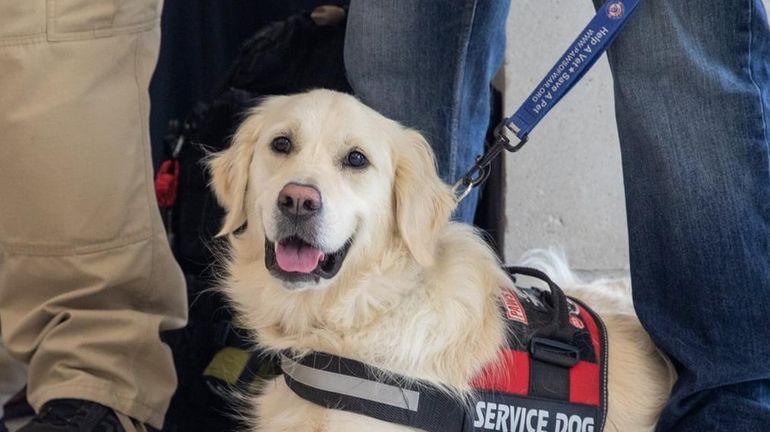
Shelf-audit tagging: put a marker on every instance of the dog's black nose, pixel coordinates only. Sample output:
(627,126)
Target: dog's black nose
(299,200)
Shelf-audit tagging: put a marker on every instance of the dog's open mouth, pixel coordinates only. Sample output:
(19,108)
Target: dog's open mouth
(292,259)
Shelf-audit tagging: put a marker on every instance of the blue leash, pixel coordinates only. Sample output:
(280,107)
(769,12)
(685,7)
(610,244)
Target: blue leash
(589,46)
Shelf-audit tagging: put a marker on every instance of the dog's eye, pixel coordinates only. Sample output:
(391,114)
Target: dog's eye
(281,145)
(356,159)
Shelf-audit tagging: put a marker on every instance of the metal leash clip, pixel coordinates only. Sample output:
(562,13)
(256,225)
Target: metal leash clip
(480,171)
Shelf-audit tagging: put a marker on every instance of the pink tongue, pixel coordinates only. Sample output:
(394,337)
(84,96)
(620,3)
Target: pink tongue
(296,258)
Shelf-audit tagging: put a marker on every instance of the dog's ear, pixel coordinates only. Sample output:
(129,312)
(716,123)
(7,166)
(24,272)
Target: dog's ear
(423,202)
(229,171)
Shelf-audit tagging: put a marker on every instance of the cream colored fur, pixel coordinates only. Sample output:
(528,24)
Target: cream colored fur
(417,295)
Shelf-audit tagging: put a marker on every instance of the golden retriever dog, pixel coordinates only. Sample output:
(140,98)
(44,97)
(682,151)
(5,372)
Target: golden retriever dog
(340,241)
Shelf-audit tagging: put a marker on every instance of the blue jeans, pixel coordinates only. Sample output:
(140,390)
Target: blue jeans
(692,88)
(428,65)
(692,91)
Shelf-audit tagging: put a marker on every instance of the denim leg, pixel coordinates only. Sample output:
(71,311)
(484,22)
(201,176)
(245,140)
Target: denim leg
(428,65)
(692,90)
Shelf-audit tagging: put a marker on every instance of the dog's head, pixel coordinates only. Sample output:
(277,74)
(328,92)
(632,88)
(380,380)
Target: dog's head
(329,184)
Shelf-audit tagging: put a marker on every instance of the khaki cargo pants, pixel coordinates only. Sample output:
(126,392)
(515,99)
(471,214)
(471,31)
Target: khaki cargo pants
(13,375)
(87,280)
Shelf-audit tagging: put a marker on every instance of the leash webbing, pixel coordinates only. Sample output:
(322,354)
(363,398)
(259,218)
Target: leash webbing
(581,55)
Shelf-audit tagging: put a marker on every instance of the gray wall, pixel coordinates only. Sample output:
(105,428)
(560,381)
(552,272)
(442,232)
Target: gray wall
(564,188)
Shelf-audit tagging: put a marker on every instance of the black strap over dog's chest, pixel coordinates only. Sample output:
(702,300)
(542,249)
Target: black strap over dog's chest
(341,383)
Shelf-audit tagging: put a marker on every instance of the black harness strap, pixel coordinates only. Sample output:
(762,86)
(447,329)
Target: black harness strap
(552,355)
(560,318)
(348,385)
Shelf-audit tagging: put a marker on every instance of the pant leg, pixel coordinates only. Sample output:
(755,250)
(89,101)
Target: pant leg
(87,280)
(692,90)
(428,65)
(13,375)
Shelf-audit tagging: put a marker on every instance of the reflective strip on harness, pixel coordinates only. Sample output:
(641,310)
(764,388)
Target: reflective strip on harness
(351,386)
(344,384)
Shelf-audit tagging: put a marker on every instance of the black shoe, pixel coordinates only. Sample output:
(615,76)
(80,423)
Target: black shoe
(2,426)
(74,415)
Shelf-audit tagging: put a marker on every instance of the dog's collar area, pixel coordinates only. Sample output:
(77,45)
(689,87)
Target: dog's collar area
(551,376)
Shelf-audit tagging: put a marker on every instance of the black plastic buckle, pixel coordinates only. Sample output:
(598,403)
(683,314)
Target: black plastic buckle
(502,137)
(554,352)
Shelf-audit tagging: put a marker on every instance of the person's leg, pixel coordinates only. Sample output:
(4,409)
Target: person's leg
(428,65)
(13,375)
(692,90)
(87,279)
